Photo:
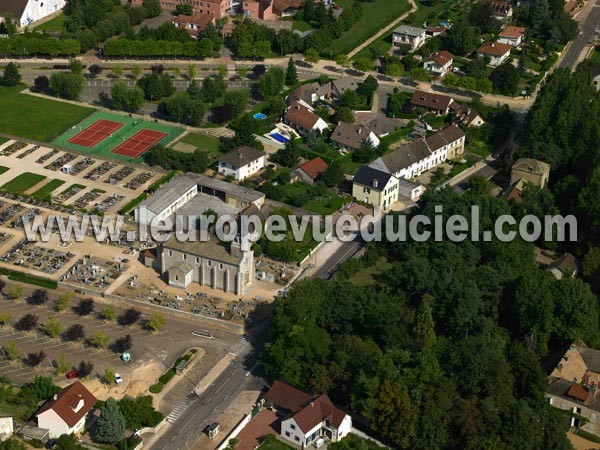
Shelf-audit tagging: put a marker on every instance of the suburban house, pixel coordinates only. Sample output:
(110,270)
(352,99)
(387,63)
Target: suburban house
(308,94)
(465,115)
(497,52)
(341,85)
(28,11)
(565,266)
(512,36)
(410,189)
(286,8)
(531,170)
(195,24)
(413,159)
(216,8)
(407,35)
(258,9)
(6,428)
(353,136)
(501,10)
(574,378)
(208,263)
(375,187)
(307,418)
(438,103)
(439,63)
(303,120)
(309,171)
(66,412)
(596,77)
(241,163)
(435,31)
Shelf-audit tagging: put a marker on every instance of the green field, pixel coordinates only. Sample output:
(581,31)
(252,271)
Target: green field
(376,15)
(207,144)
(22,183)
(595,56)
(55,24)
(104,147)
(37,118)
(72,187)
(301,25)
(270,443)
(3,169)
(47,190)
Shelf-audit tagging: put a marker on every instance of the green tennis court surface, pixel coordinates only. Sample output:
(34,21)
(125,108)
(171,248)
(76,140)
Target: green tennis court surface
(107,145)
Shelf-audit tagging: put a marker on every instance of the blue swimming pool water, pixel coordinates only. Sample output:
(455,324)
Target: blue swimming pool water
(260,116)
(279,138)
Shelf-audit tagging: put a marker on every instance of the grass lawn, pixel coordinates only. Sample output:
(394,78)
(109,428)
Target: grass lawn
(55,24)
(325,205)
(436,121)
(271,443)
(3,169)
(37,118)
(376,15)
(22,183)
(20,412)
(72,188)
(459,167)
(595,56)
(366,277)
(301,25)
(208,144)
(47,190)
(479,148)
(3,140)
(424,13)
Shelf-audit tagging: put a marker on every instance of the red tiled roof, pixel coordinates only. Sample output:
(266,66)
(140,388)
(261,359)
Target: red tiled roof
(314,167)
(66,402)
(494,48)
(301,116)
(431,100)
(442,58)
(316,411)
(511,31)
(578,392)
(501,8)
(286,396)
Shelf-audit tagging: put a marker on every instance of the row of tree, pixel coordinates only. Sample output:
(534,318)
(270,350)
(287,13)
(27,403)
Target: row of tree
(32,44)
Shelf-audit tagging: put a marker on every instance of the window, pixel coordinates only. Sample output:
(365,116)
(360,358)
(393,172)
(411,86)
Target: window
(197,260)
(184,256)
(220,266)
(176,277)
(292,426)
(576,410)
(208,263)
(287,433)
(170,252)
(297,438)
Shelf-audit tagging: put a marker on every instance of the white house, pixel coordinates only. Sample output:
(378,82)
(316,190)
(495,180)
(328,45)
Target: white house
(465,115)
(353,136)
(375,187)
(303,120)
(439,63)
(497,51)
(6,428)
(501,11)
(512,36)
(307,418)
(407,35)
(29,11)
(66,412)
(241,163)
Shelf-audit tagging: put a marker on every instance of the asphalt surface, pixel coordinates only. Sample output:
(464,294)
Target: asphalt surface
(587,30)
(487,171)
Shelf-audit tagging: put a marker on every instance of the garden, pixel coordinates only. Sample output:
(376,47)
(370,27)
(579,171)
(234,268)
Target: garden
(20,184)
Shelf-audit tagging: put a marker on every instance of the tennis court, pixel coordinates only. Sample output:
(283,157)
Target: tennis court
(95,133)
(139,143)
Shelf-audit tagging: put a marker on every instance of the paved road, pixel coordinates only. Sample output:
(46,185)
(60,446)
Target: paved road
(590,20)
(487,171)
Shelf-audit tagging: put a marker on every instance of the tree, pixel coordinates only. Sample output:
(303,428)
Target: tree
(111,423)
(235,102)
(109,376)
(84,368)
(291,75)
(394,69)
(123,344)
(68,442)
(11,350)
(67,86)
(191,71)
(505,79)
(100,339)
(312,55)
(52,327)
(75,66)
(272,82)
(155,322)
(333,175)
(152,7)
(136,71)
(85,307)
(62,303)
(75,332)
(39,297)
(363,64)
(287,156)
(424,326)
(108,313)
(41,84)
(28,322)
(419,74)
(460,38)
(222,70)
(61,365)
(342,60)
(5,319)
(12,443)
(130,316)
(34,359)
(15,291)
(11,77)
(117,71)
(185,8)
(95,70)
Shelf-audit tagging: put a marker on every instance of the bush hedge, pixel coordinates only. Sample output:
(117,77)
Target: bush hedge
(157,388)
(167,376)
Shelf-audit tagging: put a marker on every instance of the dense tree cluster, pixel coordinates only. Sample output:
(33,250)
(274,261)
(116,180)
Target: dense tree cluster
(156,85)
(173,160)
(32,44)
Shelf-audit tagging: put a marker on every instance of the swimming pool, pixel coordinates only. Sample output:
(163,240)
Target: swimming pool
(279,138)
(259,116)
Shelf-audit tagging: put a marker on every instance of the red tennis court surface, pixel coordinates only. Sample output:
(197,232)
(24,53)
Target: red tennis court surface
(95,133)
(139,143)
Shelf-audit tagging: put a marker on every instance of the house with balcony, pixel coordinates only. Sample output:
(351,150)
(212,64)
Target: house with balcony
(512,36)
(241,163)
(439,63)
(497,52)
(407,35)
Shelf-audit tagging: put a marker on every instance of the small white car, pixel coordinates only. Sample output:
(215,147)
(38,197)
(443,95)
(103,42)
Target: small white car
(118,378)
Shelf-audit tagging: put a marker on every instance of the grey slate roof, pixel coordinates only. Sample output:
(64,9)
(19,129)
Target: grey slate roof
(591,357)
(409,31)
(15,7)
(366,176)
(350,135)
(344,84)
(241,156)
(212,249)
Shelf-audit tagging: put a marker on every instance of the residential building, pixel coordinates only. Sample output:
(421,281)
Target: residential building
(497,52)
(465,115)
(195,24)
(353,136)
(438,103)
(6,428)
(439,63)
(66,412)
(258,9)
(565,266)
(512,36)
(307,418)
(423,154)
(531,170)
(341,85)
(309,171)
(183,188)
(573,382)
(596,77)
(241,163)
(308,94)
(216,8)
(375,187)
(435,31)
(410,189)
(303,120)
(286,8)
(28,11)
(501,10)
(407,35)
(208,263)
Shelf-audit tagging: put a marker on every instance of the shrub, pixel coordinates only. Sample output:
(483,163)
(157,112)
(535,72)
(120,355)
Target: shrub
(157,388)
(168,375)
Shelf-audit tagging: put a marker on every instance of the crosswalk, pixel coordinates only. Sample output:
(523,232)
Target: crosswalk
(240,347)
(181,408)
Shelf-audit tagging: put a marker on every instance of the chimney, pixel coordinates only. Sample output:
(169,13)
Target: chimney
(55,397)
(375,182)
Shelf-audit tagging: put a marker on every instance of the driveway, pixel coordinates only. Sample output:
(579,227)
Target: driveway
(377,119)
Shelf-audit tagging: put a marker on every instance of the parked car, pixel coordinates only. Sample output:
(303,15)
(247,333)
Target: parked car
(118,378)
(72,374)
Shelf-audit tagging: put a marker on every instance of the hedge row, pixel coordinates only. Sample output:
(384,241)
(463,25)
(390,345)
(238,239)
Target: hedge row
(29,279)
